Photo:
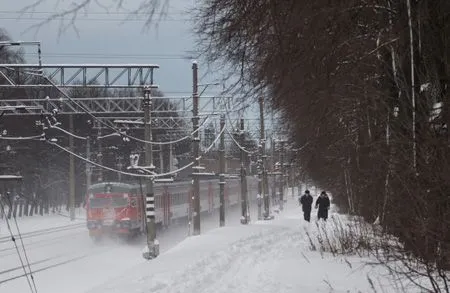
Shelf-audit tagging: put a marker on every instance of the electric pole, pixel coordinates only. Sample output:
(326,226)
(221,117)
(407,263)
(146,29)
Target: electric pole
(100,152)
(71,172)
(152,243)
(222,171)
(263,172)
(195,146)
(281,190)
(244,196)
(88,166)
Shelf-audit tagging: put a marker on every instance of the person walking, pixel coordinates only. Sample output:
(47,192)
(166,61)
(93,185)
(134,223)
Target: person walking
(323,203)
(306,201)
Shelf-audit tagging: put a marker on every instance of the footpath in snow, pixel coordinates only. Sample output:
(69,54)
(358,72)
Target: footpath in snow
(264,256)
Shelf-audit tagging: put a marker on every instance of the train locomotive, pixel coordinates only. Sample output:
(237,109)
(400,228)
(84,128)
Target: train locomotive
(117,208)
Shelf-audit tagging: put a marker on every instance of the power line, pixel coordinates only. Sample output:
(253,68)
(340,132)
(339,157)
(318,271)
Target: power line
(23,248)
(115,170)
(18,253)
(238,145)
(78,19)
(35,137)
(117,55)
(90,13)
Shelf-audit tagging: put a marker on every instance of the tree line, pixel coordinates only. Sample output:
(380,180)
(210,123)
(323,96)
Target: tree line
(362,86)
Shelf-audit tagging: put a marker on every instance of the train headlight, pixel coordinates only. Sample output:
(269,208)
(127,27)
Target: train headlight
(125,223)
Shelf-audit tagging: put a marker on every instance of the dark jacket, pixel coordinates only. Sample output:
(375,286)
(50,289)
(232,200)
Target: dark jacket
(306,201)
(323,203)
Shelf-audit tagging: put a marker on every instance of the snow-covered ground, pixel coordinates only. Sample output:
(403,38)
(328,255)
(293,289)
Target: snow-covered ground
(63,257)
(264,256)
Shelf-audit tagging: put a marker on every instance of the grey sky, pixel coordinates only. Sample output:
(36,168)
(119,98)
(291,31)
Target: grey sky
(110,38)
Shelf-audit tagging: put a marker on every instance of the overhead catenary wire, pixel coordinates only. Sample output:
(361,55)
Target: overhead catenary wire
(40,74)
(23,248)
(237,143)
(215,140)
(73,55)
(35,137)
(115,170)
(153,175)
(114,129)
(31,283)
(68,132)
(106,124)
(120,134)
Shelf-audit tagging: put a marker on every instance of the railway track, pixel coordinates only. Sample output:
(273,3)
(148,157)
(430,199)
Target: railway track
(37,244)
(41,232)
(17,272)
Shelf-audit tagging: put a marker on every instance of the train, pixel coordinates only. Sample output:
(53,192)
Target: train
(117,208)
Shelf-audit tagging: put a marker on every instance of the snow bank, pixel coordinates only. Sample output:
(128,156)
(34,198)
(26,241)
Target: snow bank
(37,222)
(267,256)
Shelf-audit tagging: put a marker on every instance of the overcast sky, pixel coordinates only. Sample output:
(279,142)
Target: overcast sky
(111,38)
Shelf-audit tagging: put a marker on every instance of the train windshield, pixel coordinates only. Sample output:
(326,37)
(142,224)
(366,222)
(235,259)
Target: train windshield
(95,203)
(115,202)
(118,202)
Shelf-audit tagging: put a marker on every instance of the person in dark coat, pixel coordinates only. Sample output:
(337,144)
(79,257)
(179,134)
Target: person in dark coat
(306,201)
(323,203)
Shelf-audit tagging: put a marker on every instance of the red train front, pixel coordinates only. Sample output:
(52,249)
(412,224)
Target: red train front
(114,208)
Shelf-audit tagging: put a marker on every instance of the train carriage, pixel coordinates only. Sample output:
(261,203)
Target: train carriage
(117,208)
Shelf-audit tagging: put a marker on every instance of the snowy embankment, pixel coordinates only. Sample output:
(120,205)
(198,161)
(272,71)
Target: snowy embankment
(267,256)
(38,223)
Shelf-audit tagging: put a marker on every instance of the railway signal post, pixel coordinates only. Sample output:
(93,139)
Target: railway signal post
(152,249)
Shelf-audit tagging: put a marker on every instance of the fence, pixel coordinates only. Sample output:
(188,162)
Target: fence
(23,207)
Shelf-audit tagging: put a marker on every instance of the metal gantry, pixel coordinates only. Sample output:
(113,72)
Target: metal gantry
(77,75)
(170,112)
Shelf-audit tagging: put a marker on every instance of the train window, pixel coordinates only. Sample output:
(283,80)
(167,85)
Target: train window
(108,188)
(118,202)
(95,203)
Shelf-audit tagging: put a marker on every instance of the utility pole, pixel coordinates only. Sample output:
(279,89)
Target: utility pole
(88,166)
(272,161)
(100,152)
(152,243)
(260,161)
(196,146)
(170,158)
(281,175)
(263,184)
(266,184)
(222,171)
(71,172)
(245,218)
(119,167)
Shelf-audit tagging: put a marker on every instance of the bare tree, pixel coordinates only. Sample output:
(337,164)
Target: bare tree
(346,76)
(150,10)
